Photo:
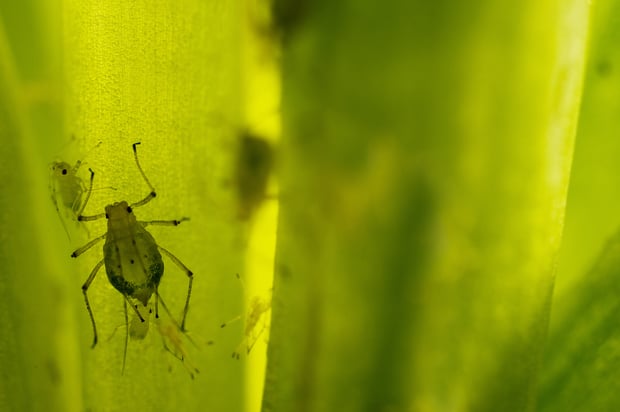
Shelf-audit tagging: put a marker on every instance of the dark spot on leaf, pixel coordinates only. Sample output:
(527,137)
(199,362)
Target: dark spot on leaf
(604,68)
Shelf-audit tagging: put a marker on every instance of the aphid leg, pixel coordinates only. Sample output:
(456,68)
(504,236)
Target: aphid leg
(126,335)
(163,304)
(90,189)
(237,353)
(251,342)
(236,318)
(85,286)
(87,246)
(80,217)
(164,222)
(189,274)
(152,194)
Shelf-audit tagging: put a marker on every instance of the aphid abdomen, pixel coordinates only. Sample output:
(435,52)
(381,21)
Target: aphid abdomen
(133,264)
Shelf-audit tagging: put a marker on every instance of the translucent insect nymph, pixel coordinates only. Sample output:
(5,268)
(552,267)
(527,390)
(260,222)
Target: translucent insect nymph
(66,187)
(256,321)
(132,258)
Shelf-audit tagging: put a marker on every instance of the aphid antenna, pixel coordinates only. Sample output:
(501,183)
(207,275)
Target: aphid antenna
(90,151)
(142,202)
(238,317)
(80,162)
(240,279)
(228,322)
(152,194)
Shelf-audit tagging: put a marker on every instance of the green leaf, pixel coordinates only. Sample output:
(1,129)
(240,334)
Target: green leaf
(164,74)
(581,358)
(583,354)
(426,153)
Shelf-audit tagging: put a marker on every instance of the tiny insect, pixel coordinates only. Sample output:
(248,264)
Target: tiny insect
(256,321)
(173,338)
(67,190)
(132,258)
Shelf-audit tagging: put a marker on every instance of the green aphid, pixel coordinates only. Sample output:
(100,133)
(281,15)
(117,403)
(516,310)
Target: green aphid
(67,190)
(132,258)
(66,187)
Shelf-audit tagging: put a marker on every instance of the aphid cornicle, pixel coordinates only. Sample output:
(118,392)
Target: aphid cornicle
(131,256)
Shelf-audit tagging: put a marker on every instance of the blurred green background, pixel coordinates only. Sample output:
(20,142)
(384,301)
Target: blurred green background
(422,194)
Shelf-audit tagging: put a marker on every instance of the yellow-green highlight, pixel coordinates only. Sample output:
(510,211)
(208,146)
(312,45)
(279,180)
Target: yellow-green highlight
(581,359)
(261,114)
(427,151)
(166,75)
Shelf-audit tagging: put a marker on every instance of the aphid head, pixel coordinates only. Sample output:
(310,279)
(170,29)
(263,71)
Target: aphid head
(60,168)
(119,211)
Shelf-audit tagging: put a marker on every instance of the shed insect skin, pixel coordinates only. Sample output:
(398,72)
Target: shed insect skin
(259,306)
(172,339)
(131,256)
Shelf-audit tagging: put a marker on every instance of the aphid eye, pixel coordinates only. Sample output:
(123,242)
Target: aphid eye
(64,171)
(128,209)
(106,216)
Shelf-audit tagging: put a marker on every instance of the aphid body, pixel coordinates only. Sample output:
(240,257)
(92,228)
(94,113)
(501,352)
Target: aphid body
(132,258)
(255,322)
(67,190)
(173,340)
(66,187)
(132,261)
